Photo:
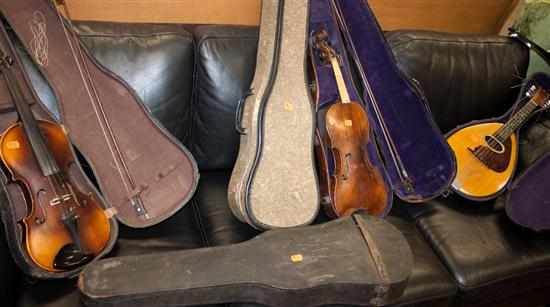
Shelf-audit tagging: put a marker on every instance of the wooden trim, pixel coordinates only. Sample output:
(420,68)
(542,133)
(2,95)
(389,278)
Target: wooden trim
(241,12)
(515,10)
(471,16)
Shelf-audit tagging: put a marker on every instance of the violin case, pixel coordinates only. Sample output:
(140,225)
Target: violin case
(13,206)
(322,18)
(274,184)
(419,162)
(526,201)
(357,260)
(107,121)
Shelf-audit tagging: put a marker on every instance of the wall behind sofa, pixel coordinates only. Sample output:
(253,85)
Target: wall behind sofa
(474,16)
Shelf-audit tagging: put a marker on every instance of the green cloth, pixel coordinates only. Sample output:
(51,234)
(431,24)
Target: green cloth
(535,24)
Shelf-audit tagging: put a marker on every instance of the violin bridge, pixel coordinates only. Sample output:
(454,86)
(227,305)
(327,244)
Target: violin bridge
(60,199)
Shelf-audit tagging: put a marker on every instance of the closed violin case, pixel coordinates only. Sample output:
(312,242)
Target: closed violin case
(14,208)
(419,162)
(526,200)
(357,260)
(274,184)
(144,173)
(323,19)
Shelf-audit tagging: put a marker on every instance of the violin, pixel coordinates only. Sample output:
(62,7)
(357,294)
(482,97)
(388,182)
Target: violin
(66,225)
(355,184)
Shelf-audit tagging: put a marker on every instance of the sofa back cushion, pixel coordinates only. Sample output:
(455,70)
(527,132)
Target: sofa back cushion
(224,67)
(191,77)
(464,77)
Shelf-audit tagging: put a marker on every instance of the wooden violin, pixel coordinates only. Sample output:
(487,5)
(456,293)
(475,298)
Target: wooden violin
(487,153)
(66,226)
(355,184)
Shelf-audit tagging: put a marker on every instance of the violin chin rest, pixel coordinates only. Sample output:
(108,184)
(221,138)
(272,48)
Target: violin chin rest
(71,257)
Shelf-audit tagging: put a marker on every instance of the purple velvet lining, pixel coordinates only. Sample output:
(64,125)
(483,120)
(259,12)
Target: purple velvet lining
(322,18)
(424,153)
(527,202)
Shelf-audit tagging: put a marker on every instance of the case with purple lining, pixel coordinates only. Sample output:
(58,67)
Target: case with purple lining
(322,18)
(527,198)
(419,162)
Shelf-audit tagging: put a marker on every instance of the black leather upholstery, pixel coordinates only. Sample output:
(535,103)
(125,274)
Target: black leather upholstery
(464,77)
(226,59)
(492,259)
(157,64)
(192,84)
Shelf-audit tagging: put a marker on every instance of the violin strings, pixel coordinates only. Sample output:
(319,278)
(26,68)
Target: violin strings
(392,148)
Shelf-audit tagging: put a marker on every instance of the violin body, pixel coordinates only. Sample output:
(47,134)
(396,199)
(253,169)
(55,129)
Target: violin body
(475,179)
(356,184)
(45,232)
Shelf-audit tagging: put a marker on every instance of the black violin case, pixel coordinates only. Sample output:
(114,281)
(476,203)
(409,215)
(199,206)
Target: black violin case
(13,207)
(419,162)
(358,260)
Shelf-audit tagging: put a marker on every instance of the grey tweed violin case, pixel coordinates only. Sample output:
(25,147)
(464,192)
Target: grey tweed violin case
(274,184)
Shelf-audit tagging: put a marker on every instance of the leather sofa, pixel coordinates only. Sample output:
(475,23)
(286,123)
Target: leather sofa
(191,77)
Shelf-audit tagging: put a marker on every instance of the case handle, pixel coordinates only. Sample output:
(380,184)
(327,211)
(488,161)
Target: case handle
(239,112)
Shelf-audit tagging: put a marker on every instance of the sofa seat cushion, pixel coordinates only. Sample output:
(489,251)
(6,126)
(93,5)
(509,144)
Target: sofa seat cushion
(491,258)
(429,285)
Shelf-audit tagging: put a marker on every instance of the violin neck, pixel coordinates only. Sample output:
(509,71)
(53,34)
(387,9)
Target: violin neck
(340,82)
(43,156)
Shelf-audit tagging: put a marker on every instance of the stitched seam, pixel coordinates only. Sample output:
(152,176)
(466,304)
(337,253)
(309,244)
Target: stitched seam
(180,34)
(225,37)
(199,222)
(455,42)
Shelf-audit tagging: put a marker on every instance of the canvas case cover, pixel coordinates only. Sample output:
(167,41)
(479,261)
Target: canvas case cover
(358,260)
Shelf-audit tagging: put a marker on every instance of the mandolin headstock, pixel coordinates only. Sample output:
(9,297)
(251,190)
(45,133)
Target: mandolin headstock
(539,96)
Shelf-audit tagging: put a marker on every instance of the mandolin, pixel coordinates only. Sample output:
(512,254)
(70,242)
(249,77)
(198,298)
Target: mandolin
(355,184)
(66,226)
(487,153)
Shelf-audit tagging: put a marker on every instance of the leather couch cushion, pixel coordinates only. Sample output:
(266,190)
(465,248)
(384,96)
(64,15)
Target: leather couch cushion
(226,59)
(490,257)
(464,77)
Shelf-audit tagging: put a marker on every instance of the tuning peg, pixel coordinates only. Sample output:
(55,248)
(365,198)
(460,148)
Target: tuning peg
(531,91)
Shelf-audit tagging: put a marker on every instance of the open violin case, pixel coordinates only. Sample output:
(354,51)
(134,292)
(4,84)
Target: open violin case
(419,163)
(106,119)
(357,260)
(322,18)
(526,201)
(402,129)
(14,207)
